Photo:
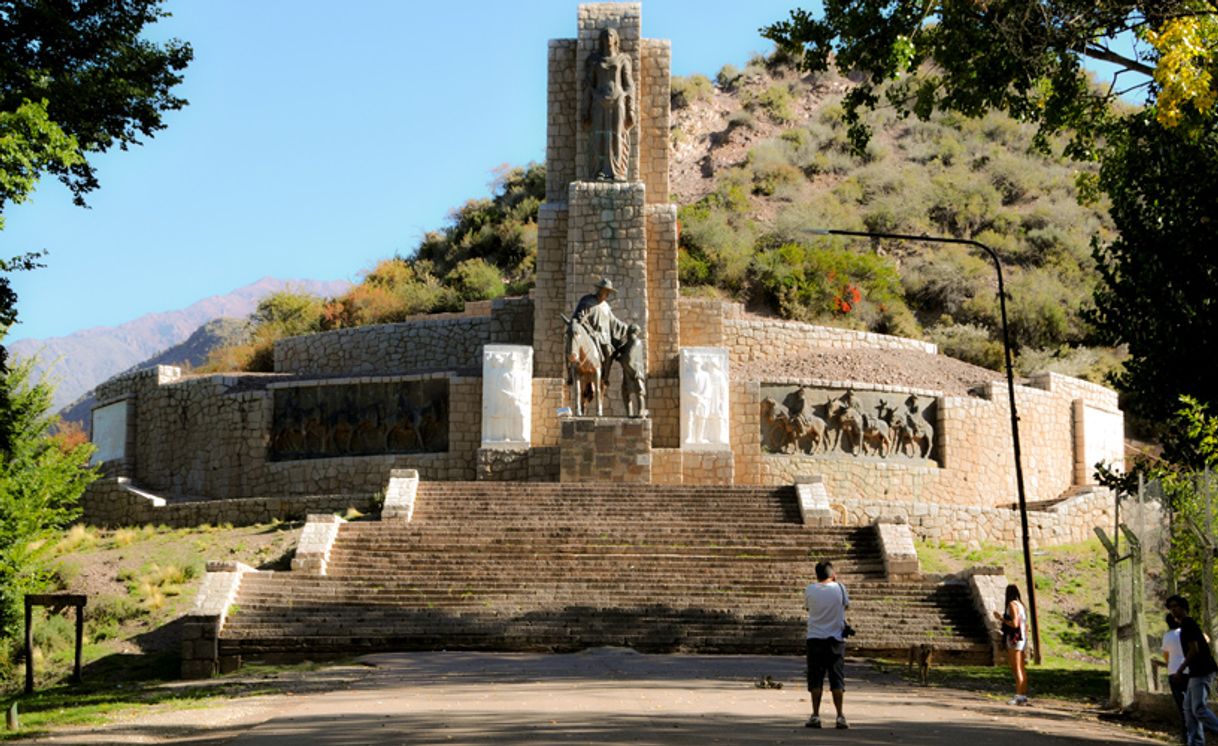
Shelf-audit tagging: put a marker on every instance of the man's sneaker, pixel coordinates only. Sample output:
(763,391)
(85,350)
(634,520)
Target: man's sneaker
(813,722)
(1020,700)
(841,722)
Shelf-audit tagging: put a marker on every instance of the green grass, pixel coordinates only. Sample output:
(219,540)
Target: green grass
(1056,678)
(118,684)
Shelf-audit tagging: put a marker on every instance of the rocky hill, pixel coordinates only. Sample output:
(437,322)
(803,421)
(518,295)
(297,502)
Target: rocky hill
(79,361)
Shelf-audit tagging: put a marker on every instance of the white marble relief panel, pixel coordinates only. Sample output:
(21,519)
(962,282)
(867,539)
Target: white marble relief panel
(705,415)
(507,395)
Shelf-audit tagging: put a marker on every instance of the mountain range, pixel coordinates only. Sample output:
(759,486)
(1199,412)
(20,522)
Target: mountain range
(77,362)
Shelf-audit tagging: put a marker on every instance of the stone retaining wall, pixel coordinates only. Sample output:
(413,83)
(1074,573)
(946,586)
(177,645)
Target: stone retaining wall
(714,323)
(112,503)
(433,342)
(1068,522)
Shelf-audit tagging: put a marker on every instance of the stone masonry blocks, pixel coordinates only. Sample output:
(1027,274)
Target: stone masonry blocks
(550,292)
(655,105)
(606,449)
(663,290)
(562,118)
(606,237)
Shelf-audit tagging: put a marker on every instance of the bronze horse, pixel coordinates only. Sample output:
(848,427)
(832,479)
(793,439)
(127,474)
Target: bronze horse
(584,365)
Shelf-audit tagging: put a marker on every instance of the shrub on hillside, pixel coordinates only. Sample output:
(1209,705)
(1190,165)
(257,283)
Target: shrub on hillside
(476,279)
(818,283)
(775,101)
(690,88)
(970,343)
(728,77)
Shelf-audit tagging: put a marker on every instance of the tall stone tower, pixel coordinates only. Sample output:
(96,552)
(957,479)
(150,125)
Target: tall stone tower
(621,225)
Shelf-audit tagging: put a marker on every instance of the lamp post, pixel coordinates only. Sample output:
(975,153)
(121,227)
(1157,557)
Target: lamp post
(1006,350)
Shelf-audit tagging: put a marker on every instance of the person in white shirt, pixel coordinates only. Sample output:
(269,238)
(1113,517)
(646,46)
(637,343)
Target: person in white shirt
(826,601)
(1173,654)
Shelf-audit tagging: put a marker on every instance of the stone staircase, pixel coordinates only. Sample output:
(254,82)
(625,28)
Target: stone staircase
(515,566)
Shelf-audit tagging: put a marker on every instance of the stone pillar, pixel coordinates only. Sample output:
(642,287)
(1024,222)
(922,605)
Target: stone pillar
(606,449)
(705,410)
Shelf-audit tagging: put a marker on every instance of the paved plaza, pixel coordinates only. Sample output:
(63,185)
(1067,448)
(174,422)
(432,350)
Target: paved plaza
(600,696)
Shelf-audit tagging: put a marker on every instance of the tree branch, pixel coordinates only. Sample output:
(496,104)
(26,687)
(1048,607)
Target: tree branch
(1107,55)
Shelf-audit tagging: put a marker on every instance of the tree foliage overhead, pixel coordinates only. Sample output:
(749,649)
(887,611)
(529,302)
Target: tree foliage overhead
(1026,57)
(76,78)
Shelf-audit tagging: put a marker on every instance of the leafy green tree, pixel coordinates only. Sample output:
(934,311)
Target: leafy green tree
(41,481)
(76,78)
(8,316)
(1159,278)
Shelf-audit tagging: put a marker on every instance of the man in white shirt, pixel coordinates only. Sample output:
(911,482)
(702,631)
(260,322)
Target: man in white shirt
(826,601)
(1173,653)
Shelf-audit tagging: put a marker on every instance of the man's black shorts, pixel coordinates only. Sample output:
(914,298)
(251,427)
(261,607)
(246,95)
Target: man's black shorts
(827,655)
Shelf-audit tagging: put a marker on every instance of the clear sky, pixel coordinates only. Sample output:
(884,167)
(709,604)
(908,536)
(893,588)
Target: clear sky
(320,137)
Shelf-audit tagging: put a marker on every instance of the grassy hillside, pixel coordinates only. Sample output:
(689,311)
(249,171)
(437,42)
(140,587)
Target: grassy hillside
(760,159)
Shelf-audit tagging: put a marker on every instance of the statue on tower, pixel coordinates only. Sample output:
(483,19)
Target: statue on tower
(608,108)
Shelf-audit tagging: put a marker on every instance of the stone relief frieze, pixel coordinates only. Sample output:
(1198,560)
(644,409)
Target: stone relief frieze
(359,419)
(843,422)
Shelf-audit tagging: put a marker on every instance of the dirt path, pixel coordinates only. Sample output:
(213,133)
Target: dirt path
(603,696)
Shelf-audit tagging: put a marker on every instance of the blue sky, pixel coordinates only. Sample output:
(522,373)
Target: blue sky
(320,138)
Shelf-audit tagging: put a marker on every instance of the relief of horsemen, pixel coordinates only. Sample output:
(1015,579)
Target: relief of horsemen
(833,422)
(362,419)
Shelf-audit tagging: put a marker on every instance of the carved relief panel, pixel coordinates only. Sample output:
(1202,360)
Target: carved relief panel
(705,414)
(507,395)
(844,423)
(359,419)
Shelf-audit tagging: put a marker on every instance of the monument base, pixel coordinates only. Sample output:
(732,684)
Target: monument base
(503,464)
(606,449)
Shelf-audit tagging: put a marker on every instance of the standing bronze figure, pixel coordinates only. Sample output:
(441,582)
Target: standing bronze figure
(608,108)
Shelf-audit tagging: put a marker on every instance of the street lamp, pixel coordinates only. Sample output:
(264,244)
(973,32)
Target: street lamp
(1006,350)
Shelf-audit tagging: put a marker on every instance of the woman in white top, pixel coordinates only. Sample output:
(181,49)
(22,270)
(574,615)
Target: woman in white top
(1015,636)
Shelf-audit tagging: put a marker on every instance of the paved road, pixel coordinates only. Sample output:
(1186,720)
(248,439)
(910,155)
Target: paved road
(603,696)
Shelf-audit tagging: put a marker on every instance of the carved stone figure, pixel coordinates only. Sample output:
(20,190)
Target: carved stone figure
(633,355)
(809,431)
(847,420)
(777,433)
(877,433)
(608,108)
(915,431)
(704,399)
(507,394)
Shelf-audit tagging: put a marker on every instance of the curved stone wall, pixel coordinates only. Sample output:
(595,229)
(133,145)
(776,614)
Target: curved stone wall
(434,342)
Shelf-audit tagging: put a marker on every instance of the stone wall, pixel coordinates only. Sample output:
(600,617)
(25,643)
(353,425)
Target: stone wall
(550,293)
(208,437)
(433,342)
(113,502)
(713,323)
(973,443)
(1068,522)
(562,118)
(663,325)
(655,102)
(606,449)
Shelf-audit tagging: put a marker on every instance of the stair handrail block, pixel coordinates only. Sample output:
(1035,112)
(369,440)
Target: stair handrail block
(813,499)
(897,546)
(399,495)
(989,586)
(201,626)
(316,539)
